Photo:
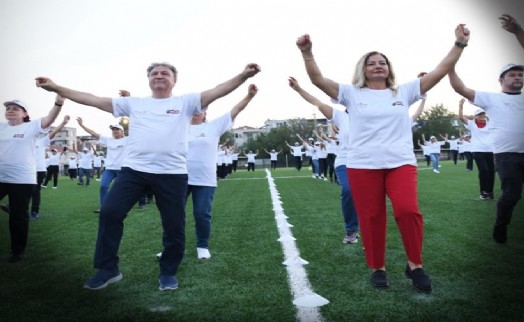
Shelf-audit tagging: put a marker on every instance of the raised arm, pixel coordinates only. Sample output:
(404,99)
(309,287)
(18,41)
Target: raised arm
(325,109)
(459,86)
(209,96)
(103,103)
(59,127)
(419,110)
(251,92)
(50,118)
(289,146)
(326,85)
(266,151)
(510,24)
(88,130)
(424,138)
(432,78)
(461,116)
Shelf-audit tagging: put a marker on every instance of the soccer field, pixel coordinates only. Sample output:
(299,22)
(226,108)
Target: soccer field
(474,279)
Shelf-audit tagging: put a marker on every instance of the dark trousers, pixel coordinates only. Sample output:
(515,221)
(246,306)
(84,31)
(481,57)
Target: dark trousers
(234,165)
(251,166)
(331,166)
(73,173)
(469,160)
(170,193)
(273,164)
(52,171)
(486,168)
(35,197)
(454,155)
(510,167)
(19,195)
(298,163)
(323,166)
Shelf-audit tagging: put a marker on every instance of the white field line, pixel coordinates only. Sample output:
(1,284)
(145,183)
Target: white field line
(306,302)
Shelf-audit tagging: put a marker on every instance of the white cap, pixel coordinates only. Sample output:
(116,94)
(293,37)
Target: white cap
(118,126)
(85,149)
(17,102)
(478,111)
(507,67)
(432,137)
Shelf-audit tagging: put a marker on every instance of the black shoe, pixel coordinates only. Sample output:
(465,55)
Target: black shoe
(500,233)
(379,279)
(97,211)
(16,258)
(5,208)
(420,280)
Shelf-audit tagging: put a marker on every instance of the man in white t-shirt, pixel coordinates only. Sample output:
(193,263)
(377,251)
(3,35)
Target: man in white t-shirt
(155,158)
(506,113)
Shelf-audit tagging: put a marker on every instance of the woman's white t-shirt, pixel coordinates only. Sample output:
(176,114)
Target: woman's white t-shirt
(202,152)
(380,134)
(17,152)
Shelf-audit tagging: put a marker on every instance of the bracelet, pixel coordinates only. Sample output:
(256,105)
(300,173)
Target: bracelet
(59,105)
(460,45)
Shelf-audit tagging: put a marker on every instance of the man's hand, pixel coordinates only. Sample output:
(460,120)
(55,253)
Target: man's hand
(510,24)
(45,83)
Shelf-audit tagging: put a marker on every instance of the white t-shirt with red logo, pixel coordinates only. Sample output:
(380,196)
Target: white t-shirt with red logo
(115,152)
(380,135)
(17,152)
(158,128)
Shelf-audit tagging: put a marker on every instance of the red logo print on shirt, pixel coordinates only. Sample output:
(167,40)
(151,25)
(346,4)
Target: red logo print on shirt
(173,111)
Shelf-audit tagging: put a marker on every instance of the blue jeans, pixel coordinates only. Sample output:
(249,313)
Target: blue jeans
(170,192)
(434,160)
(107,177)
(81,173)
(316,167)
(348,209)
(202,201)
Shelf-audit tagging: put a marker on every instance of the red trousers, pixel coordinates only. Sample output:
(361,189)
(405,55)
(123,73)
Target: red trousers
(369,188)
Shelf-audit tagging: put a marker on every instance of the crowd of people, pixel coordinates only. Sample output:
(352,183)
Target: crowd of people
(368,151)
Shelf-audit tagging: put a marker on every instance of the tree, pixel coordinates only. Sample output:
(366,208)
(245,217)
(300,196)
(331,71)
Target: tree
(437,120)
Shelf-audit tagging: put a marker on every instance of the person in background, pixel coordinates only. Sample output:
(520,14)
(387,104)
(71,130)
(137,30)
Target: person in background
(98,160)
(425,152)
(18,167)
(234,158)
(40,147)
(250,159)
(482,148)
(203,141)
(506,112)
(273,157)
(72,163)
(381,161)
(149,164)
(296,151)
(85,165)
(340,121)
(433,146)
(116,145)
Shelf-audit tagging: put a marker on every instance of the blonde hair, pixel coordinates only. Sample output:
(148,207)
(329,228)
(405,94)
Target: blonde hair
(359,77)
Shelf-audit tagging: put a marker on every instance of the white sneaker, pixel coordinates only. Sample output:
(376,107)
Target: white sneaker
(159,255)
(203,253)
(436,171)
(55,187)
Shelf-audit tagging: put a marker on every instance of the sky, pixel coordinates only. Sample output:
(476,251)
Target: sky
(102,46)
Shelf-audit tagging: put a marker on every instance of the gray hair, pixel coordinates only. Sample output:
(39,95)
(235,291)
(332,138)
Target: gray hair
(153,65)
(359,78)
